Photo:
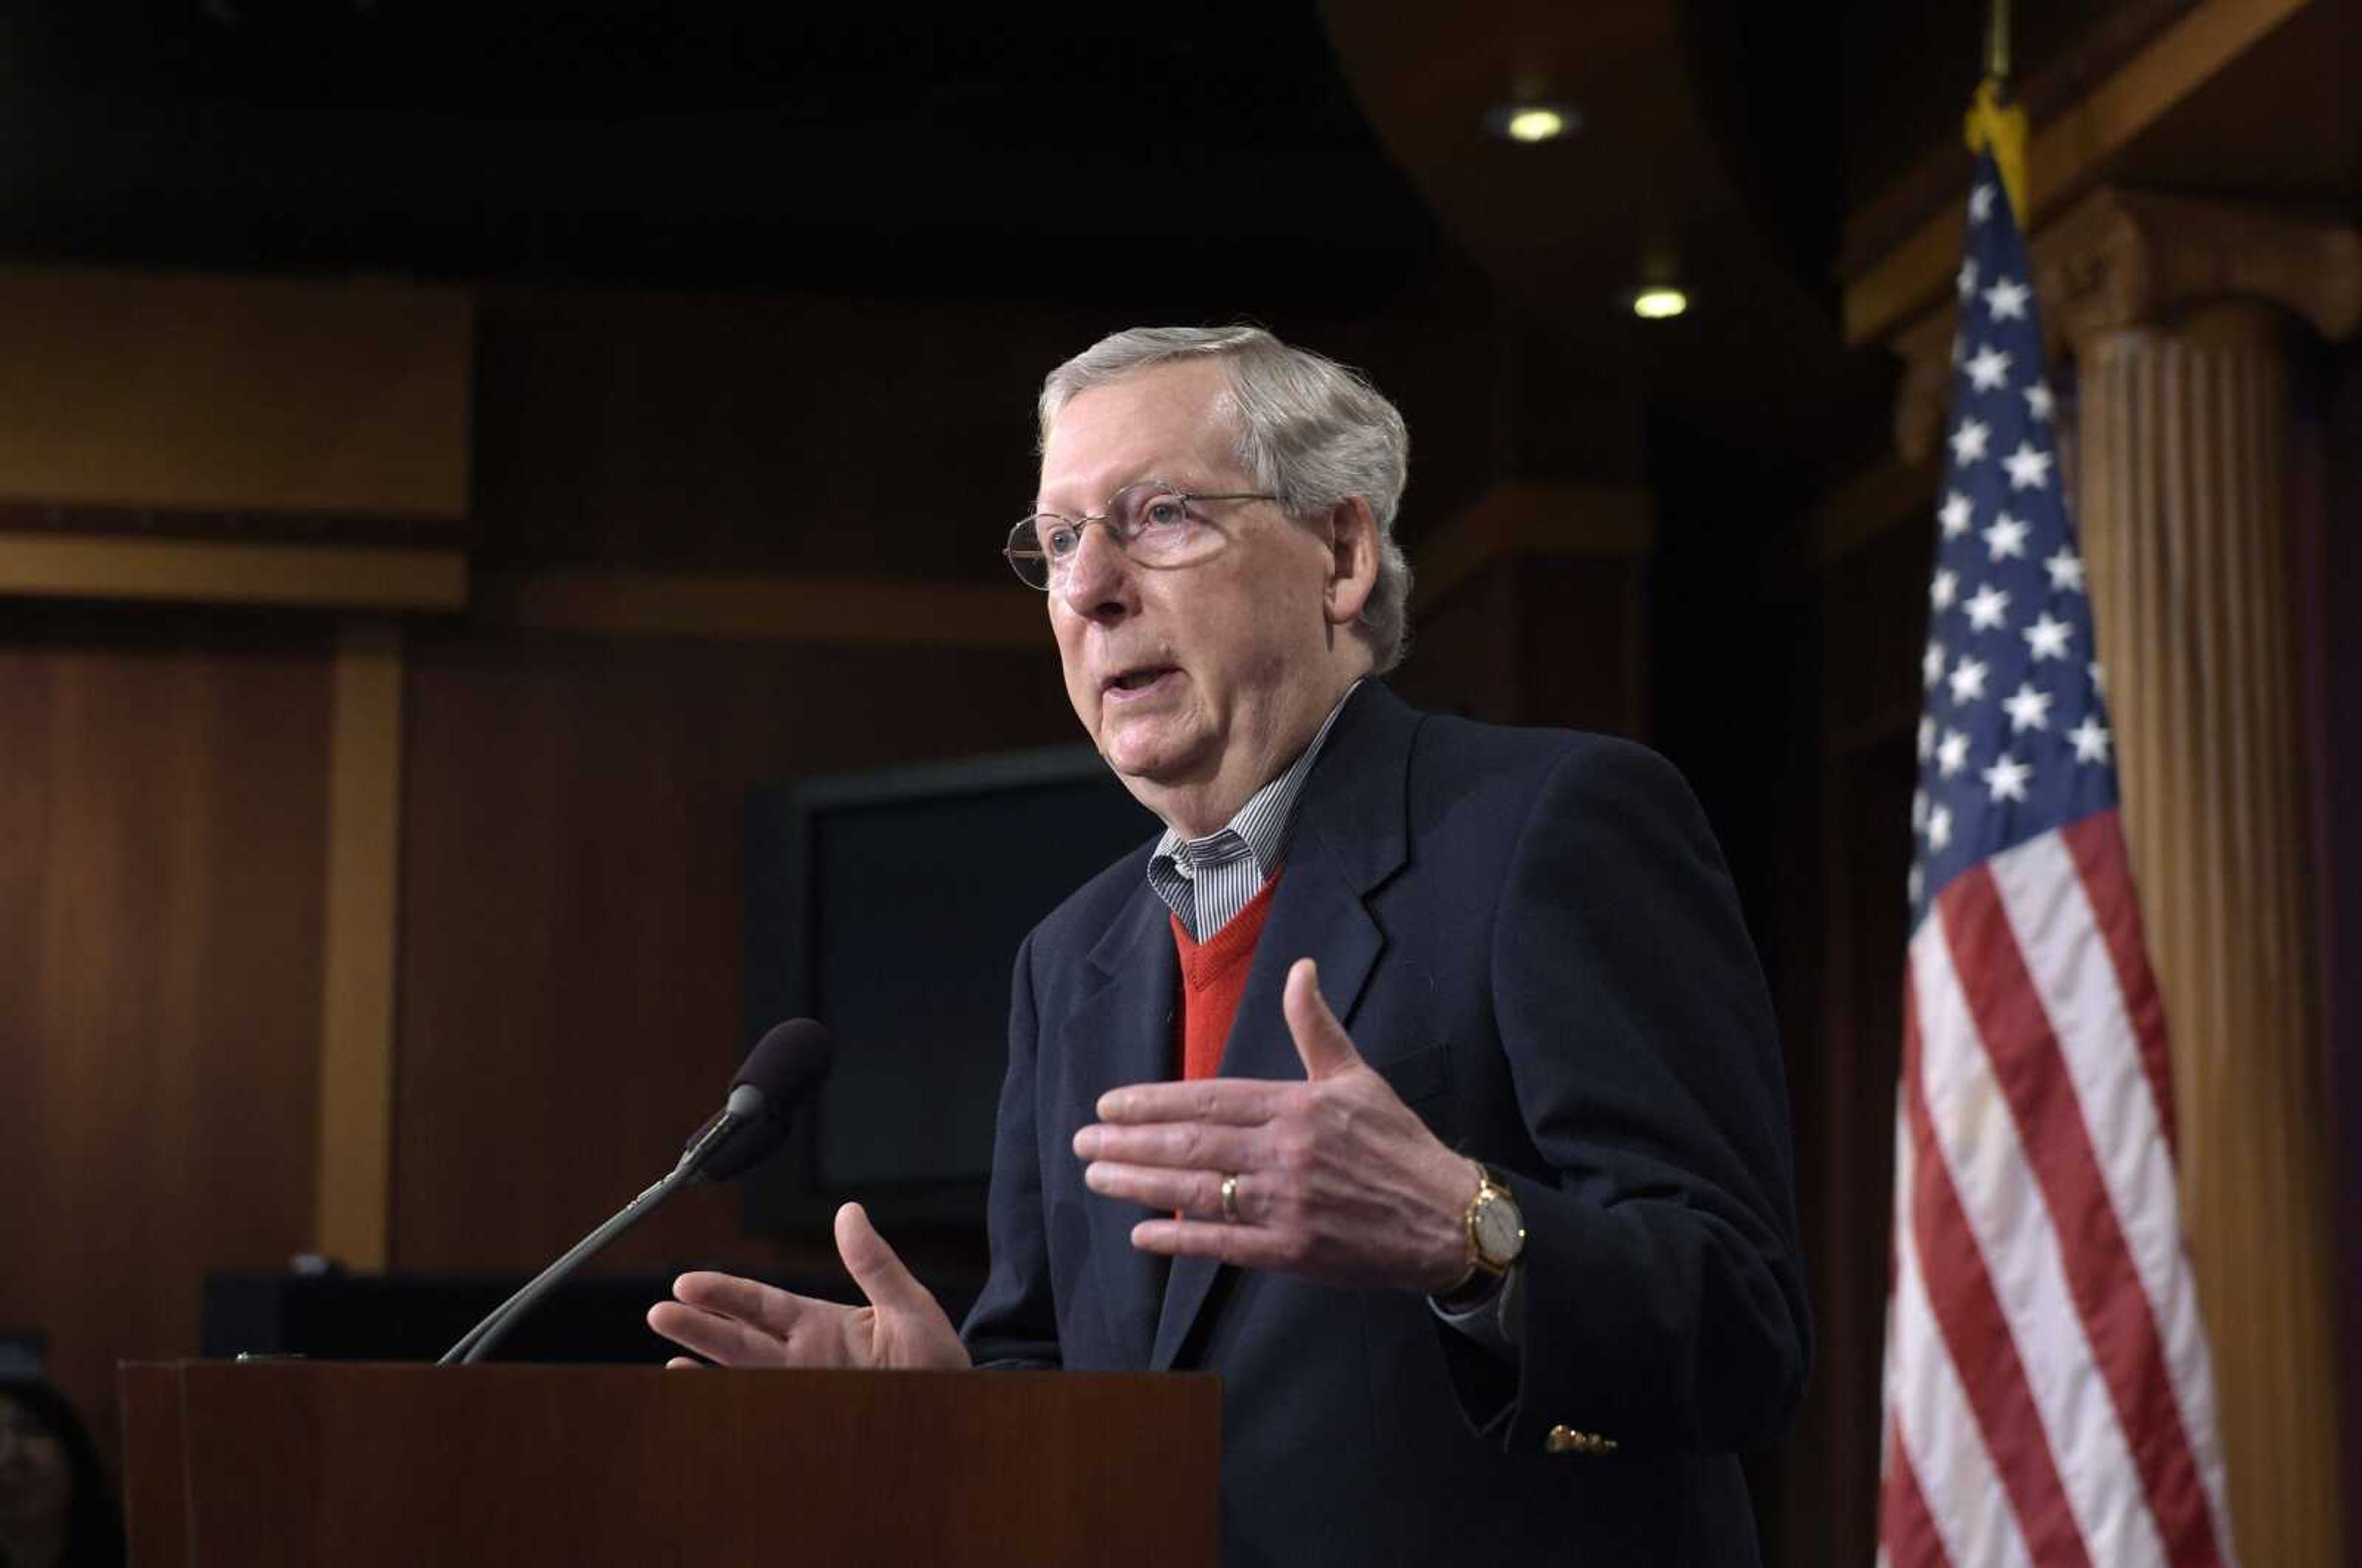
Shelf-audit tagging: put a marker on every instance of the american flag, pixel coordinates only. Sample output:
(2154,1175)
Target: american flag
(2049,1398)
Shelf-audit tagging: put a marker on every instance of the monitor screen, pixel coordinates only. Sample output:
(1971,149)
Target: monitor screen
(890,906)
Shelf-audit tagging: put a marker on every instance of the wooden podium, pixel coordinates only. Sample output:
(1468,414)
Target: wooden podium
(360,1464)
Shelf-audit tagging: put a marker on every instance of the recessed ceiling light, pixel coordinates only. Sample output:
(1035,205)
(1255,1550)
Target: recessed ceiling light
(1660,303)
(1533,122)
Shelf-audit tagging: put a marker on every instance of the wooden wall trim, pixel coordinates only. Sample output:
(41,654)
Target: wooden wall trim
(2068,152)
(2119,259)
(1532,519)
(238,524)
(188,571)
(765,608)
(1862,508)
(354,1196)
(177,390)
(1510,521)
(2043,84)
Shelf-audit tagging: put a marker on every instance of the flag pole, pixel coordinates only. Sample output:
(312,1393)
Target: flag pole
(1997,41)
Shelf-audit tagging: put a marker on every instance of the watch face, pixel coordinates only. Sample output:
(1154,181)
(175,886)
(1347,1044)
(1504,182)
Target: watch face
(1500,1231)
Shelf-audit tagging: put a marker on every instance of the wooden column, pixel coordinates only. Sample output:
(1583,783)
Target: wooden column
(2183,318)
(2184,445)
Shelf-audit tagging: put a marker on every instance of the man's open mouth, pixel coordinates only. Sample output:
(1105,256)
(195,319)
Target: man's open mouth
(1138,680)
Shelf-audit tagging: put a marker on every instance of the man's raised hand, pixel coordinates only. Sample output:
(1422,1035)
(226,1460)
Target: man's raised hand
(741,1322)
(1335,1177)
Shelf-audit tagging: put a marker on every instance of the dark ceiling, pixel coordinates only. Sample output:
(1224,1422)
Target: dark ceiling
(1081,153)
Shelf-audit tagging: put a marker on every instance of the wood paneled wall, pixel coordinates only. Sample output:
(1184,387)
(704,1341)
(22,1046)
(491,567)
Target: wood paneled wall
(1537,641)
(1834,952)
(2329,570)
(805,433)
(1531,608)
(161,842)
(571,975)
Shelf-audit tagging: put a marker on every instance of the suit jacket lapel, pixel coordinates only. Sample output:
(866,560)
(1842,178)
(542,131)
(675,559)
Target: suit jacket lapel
(1351,836)
(1122,1034)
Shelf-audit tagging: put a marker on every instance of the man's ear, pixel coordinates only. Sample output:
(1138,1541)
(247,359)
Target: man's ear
(1353,559)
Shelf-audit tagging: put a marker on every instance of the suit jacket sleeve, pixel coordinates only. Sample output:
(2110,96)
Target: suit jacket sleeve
(1663,1304)
(1014,1321)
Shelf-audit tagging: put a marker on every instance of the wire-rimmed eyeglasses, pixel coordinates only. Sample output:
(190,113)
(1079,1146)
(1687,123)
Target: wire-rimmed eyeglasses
(1154,522)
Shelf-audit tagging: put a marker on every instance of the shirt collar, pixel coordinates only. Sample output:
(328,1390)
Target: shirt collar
(1263,828)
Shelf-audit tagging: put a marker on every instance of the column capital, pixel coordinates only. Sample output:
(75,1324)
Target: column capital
(2120,259)
(2123,258)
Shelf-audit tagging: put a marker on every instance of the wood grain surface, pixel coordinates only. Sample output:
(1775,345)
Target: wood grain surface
(362,1465)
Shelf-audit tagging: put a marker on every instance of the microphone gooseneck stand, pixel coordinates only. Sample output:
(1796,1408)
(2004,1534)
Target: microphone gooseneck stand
(479,1341)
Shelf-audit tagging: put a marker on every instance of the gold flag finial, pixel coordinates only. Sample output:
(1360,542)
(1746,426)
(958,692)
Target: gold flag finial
(1996,124)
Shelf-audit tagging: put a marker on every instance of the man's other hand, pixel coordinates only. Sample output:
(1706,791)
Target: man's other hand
(1334,1179)
(740,1322)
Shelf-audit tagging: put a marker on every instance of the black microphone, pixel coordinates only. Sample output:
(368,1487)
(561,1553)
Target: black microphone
(783,1068)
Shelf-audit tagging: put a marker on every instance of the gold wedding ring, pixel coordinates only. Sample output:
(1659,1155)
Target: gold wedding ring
(1230,1200)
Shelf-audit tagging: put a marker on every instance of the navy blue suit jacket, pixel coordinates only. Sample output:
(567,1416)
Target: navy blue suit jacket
(1531,934)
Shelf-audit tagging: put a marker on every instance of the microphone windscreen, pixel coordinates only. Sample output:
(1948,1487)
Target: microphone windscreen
(789,1059)
(786,1064)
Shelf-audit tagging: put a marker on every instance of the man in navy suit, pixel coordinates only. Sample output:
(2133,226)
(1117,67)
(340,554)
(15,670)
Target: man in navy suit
(1419,1079)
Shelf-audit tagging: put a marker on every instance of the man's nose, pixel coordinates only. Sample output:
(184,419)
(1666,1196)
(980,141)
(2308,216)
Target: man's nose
(1096,580)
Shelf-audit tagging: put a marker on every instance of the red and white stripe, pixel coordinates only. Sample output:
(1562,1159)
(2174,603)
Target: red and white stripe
(2048,1397)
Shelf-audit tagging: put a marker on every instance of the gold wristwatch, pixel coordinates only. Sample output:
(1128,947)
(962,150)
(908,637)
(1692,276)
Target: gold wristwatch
(1496,1232)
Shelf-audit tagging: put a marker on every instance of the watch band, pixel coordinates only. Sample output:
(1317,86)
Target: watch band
(1484,1275)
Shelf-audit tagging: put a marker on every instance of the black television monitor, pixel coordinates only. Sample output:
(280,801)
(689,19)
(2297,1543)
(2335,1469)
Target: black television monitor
(890,905)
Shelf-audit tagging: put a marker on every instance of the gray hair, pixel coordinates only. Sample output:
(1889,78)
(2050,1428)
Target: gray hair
(1311,431)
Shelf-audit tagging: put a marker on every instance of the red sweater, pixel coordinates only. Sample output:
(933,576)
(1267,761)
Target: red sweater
(1213,978)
